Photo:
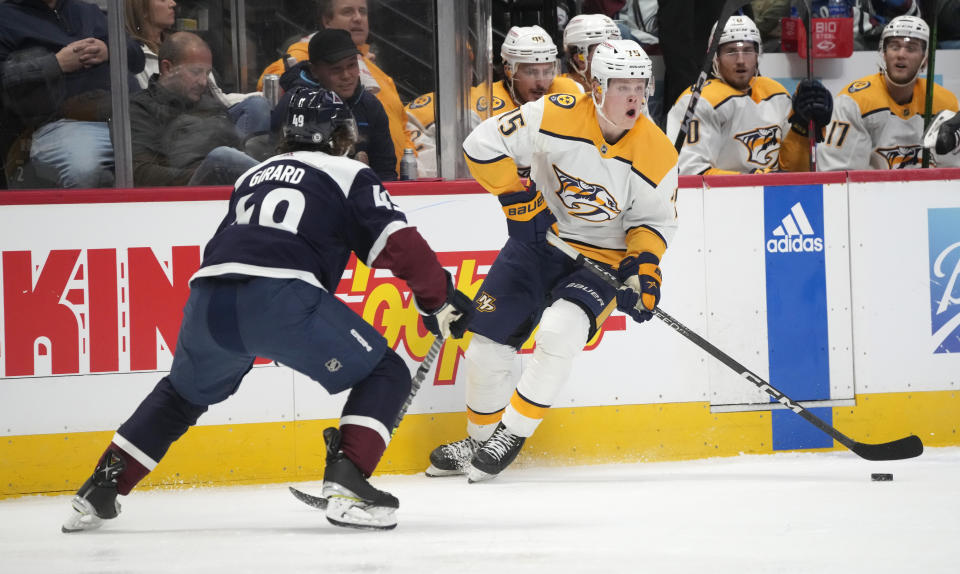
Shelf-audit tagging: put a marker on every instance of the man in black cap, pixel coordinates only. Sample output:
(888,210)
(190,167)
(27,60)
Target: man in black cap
(333,65)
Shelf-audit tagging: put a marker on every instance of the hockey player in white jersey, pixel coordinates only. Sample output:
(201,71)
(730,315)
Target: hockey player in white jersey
(582,34)
(744,122)
(878,120)
(266,288)
(605,177)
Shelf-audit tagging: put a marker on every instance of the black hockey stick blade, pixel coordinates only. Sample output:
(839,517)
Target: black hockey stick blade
(729,7)
(906,447)
(309,499)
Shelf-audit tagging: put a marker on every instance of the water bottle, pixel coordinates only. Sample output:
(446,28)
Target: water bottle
(408,165)
(838,9)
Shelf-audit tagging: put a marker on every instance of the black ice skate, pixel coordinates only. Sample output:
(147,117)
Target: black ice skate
(352,501)
(494,455)
(96,500)
(452,459)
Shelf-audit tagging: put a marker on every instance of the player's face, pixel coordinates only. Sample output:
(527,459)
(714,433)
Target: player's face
(350,15)
(903,57)
(737,63)
(188,78)
(342,77)
(532,81)
(624,101)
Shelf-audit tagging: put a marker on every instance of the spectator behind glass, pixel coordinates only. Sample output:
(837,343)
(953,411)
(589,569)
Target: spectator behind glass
(181,134)
(149,22)
(56,89)
(333,65)
(351,15)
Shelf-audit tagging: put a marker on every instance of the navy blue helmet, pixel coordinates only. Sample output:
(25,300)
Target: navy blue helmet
(315,115)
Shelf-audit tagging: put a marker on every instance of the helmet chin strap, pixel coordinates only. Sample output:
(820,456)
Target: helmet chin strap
(909,82)
(602,115)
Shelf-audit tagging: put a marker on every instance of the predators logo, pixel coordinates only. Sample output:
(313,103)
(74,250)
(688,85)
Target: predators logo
(763,144)
(902,156)
(586,200)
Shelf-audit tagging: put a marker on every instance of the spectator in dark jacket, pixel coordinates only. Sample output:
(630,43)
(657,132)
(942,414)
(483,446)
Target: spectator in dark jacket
(333,65)
(56,82)
(181,134)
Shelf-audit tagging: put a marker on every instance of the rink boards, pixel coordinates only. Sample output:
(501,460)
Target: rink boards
(838,288)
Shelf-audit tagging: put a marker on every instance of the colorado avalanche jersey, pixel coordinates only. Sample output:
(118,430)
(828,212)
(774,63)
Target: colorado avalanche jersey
(299,215)
(610,200)
(732,131)
(869,130)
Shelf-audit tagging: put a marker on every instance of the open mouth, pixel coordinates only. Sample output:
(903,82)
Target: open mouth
(631,113)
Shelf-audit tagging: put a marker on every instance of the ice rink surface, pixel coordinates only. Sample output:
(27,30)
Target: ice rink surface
(816,513)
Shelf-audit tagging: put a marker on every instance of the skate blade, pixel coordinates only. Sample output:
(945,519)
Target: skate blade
(435,472)
(352,513)
(474,474)
(81,517)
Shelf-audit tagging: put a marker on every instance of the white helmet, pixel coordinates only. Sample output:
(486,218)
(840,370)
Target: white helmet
(737,29)
(620,59)
(904,27)
(584,31)
(526,45)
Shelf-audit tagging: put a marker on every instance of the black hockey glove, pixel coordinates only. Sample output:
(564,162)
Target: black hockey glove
(528,217)
(811,101)
(948,138)
(640,293)
(452,318)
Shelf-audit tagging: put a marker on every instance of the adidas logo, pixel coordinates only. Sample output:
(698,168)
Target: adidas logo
(795,233)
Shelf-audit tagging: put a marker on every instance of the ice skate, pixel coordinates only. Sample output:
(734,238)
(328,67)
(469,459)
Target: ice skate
(96,500)
(452,458)
(494,455)
(352,501)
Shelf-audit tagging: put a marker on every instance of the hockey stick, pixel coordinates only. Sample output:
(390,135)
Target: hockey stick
(808,25)
(906,447)
(728,9)
(931,60)
(426,365)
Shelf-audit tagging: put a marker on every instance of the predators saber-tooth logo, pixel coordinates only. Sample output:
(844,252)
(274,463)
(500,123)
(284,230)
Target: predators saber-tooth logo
(586,200)
(901,156)
(763,144)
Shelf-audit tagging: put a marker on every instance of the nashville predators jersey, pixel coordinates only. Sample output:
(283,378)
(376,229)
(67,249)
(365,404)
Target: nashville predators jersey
(869,130)
(610,200)
(732,131)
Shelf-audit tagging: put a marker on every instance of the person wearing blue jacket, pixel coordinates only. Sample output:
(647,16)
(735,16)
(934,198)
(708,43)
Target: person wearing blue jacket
(55,81)
(333,65)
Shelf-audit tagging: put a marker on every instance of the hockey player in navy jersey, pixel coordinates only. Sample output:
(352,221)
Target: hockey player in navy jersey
(607,176)
(266,289)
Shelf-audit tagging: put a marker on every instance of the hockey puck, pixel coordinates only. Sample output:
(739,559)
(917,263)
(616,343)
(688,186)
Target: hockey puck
(881,477)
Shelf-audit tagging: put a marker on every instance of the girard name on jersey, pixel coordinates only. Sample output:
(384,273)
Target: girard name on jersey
(285,173)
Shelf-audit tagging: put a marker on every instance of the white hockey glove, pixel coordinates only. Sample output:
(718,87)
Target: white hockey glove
(943,135)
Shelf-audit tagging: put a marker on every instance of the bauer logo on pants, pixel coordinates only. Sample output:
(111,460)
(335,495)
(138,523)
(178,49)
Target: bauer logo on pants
(944,231)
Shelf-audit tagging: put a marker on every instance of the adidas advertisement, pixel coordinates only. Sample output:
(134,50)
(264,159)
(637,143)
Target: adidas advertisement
(944,243)
(794,234)
(796,290)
